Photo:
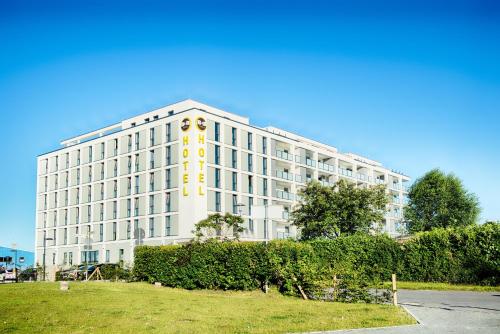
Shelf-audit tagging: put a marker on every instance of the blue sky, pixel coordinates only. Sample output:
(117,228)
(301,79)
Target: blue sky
(414,85)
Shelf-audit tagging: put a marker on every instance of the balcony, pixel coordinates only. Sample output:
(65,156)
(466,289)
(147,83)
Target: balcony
(363,177)
(299,179)
(379,181)
(285,215)
(305,161)
(284,155)
(396,186)
(282,235)
(326,183)
(326,167)
(345,172)
(284,175)
(284,195)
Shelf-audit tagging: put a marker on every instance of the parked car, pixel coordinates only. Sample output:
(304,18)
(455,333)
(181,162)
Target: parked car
(9,275)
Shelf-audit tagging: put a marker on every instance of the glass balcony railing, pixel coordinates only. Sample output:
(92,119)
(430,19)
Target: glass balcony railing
(396,186)
(345,172)
(379,181)
(299,178)
(326,167)
(284,175)
(305,161)
(310,162)
(326,183)
(282,235)
(284,195)
(285,215)
(363,177)
(284,155)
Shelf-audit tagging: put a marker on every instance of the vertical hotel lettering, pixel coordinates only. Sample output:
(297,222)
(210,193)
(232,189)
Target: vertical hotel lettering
(200,154)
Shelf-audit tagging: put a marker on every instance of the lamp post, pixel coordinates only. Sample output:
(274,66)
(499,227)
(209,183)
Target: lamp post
(44,248)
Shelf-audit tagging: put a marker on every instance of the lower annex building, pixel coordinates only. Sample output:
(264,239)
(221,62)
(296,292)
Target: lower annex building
(150,178)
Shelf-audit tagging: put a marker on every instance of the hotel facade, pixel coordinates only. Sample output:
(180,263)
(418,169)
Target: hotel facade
(149,179)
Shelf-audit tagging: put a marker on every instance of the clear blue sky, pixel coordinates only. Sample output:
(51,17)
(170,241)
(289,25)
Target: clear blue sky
(414,85)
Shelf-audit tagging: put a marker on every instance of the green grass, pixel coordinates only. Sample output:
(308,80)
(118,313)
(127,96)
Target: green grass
(442,286)
(100,307)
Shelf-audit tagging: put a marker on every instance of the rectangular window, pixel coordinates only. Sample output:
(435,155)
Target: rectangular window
(115,147)
(90,153)
(129,164)
(137,233)
(250,141)
(137,184)
(152,137)
(129,185)
(115,209)
(264,166)
(102,191)
(264,187)
(114,230)
(168,156)
(151,181)
(234,181)
(129,144)
(151,159)
(121,252)
(169,132)
(57,163)
(78,158)
(89,193)
(129,229)
(250,220)
(250,162)
(168,178)
(65,216)
(168,202)
(76,235)
(233,136)
(107,255)
(102,151)
(67,160)
(101,211)
(217,178)
(89,213)
(234,159)
(151,204)
(65,236)
(101,232)
(65,258)
(137,163)
(168,226)
(90,174)
(115,188)
(115,168)
(137,141)
(217,131)
(70,258)
(136,206)
(217,155)
(129,207)
(250,184)
(151,227)
(264,145)
(218,202)
(235,204)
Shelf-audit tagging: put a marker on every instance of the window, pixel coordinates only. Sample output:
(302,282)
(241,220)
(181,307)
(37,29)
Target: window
(151,159)
(129,207)
(101,211)
(77,216)
(146,120)
(78,158)
(137,234)
(151,227)
(54,221)
(233,136)
(168,155)
(129,143)
(120,255)
(217,178)
(168,178)
(168,202)
(264,145)
(115,206)
(250,184)
(129,164)
(218,202)
(133,124)
(55,199)
(114,230)
(45,219)
(152,137)
(234,159)
(107,255)
(217,131)
(250,141)
(65,236)
(90,174)
(168,226)
(250,220)
(136,206)
(102,150)
(155,117)
(170,113)
(264,187)
(70,258)
(217,155)
(115,147)
(129,185)
(250,162)
(78,176)
(101,232)
(56,182)
(151,204)
(90,153)
(129,229)
(115,168)
(102,170)
(65,216)
(77,195)
(53,258)
(137,141)
(102,191)
(65,258)
(235,204)
(137,162)
(264,166)
(67,160)
(151,181)
(89,193)
(115,188)
(89,213)
(234,181)
(137,184)
(169,132)
(66,180)
(57,163)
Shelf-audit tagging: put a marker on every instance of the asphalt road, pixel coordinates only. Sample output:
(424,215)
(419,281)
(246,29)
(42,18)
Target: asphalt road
(445,312)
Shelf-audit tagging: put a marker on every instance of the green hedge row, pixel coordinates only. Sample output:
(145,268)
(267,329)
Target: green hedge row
(468,255)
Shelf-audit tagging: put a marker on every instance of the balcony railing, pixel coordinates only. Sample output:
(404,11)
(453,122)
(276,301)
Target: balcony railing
(326,167)
(284,195)
(282,235)
(326,183)
(284,155)
(345,172)
(285,215)
(396,186)
(299,178)
(284,175)
(379,181)
(363,177)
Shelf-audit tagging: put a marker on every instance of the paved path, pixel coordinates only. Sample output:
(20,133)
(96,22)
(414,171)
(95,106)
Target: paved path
(445,312)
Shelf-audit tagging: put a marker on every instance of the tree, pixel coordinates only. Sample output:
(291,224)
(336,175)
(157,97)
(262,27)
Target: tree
(327,212)
(440,200)
(220,227)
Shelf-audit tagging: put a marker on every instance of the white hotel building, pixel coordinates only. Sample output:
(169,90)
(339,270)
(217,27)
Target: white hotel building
(150,178)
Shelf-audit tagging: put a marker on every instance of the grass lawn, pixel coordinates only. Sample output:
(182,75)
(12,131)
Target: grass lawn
(103,307)
(441,286)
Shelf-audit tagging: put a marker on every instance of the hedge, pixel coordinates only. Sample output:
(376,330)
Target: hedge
(467,255)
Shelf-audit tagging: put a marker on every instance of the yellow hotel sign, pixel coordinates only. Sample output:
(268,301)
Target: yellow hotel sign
(200,154)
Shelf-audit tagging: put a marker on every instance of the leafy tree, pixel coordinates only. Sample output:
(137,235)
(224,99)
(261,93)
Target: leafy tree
(440,200)
(328,212)
(220,227)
